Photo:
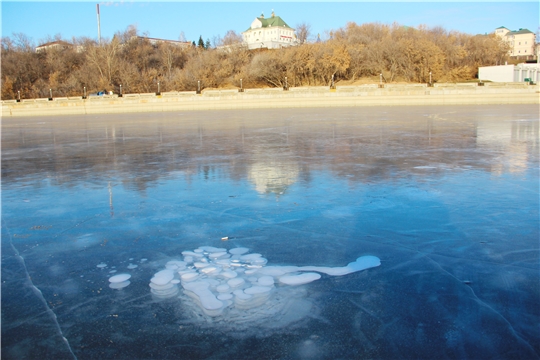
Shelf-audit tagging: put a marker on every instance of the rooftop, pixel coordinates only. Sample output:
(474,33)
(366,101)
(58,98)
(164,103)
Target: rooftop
(272,21)
(520,31)
(57,42)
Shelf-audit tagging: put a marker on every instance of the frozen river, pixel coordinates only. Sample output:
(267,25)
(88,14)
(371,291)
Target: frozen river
(446,197)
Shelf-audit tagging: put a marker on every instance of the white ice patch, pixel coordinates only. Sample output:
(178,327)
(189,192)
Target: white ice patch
(299,279)
(237,288)
(119,285)
(119,281)
(119,278)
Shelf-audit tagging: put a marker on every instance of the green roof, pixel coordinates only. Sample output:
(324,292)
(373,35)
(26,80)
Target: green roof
(520,31)
(272,21)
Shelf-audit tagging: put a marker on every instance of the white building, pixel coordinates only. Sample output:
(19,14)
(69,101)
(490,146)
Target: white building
(510,73)
(270,33)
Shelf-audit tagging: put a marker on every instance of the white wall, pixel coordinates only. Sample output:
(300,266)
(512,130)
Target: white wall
(503,73)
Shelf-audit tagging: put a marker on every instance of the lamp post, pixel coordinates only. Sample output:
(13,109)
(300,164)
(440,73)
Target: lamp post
(98,25)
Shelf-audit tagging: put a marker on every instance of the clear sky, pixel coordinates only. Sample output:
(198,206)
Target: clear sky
(210,19)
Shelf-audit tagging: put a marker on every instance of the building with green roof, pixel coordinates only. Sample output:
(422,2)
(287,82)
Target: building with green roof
(522,41)
(269,33)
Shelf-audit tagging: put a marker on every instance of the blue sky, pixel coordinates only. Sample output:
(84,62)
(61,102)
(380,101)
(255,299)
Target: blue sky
(210,19)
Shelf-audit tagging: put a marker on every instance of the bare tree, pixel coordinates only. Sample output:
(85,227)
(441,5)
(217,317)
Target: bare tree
(303,31)
(22,42)
(7,44)
(231,38)
(182,37)
(127,34)
(105,59)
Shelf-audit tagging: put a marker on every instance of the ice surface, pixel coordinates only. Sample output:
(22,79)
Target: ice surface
(447,197)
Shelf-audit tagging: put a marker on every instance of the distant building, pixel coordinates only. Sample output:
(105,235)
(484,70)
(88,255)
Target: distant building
(155,41)
(522,41)
(54,45)
(269,33)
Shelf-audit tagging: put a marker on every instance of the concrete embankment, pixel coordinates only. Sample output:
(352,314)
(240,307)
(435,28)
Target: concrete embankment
(342,96)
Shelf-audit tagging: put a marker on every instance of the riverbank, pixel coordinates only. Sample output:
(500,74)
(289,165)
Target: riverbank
(342,96)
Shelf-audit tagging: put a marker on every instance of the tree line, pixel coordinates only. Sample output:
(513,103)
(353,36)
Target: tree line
(350,53)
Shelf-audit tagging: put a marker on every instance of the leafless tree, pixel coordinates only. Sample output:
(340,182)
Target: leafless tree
(182,37)
(231,38)
(303,32)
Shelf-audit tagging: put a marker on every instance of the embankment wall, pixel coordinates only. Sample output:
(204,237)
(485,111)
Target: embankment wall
(366,95)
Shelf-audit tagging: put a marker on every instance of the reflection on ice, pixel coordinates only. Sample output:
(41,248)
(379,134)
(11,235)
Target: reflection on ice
(239,289)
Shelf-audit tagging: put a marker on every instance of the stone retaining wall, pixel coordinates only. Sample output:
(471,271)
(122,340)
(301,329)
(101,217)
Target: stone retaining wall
(366,95)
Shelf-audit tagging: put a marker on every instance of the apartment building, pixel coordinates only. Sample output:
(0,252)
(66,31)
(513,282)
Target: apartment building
(522,41)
